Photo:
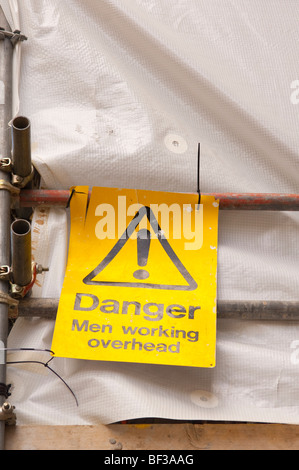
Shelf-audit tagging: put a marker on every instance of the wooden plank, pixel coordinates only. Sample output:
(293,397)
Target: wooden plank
(185,436)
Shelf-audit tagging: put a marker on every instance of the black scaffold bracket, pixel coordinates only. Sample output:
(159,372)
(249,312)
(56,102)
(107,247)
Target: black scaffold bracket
(14,36)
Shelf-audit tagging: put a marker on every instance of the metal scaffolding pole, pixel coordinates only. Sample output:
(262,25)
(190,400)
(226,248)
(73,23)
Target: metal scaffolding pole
(271,310)
(6,52)
(227,201)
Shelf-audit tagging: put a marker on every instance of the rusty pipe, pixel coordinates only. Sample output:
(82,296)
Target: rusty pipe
(227,201)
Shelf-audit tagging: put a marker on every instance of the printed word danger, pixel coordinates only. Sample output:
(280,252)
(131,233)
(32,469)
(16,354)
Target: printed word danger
(153,311)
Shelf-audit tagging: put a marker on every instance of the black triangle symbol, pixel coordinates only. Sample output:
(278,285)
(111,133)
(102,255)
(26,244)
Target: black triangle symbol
(144,211)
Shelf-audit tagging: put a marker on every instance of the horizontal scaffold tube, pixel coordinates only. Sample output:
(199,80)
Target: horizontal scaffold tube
(227,309)
(227,201)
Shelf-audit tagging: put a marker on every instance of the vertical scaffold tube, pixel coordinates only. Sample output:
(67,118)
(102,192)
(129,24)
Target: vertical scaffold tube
(21,146)
(21,252)
(21,157)
(6,51)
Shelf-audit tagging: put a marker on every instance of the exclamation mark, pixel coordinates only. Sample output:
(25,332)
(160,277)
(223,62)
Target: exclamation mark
(143,245)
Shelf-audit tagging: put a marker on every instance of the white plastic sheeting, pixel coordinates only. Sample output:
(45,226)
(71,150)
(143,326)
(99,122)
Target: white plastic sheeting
(119,94)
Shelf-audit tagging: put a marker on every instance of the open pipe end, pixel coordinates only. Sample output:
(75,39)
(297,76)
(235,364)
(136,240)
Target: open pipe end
(21,252)
(20,227)
(21,123)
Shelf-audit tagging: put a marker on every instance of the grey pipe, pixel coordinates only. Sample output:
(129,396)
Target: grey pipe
(21,146)
(6,52)
(21,158)
(21,252)
(263,310)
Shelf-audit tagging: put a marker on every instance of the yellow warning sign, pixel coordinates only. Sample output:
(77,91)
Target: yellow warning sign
(140,282)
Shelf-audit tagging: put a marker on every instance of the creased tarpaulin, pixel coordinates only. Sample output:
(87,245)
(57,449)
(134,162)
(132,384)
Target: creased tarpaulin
(119,94)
